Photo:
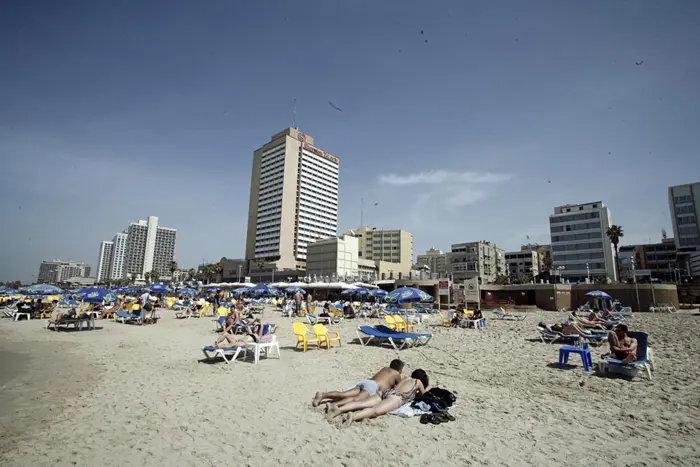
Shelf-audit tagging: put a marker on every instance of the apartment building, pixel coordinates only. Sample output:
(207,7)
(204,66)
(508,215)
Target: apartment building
(480,259)
(580,246)
(657,260)
(293,199)
(436,260)
(684,204)
(522,265)
(52,272)
(333,257)
(116,265)
(149,247)
(104,260)
(391,246)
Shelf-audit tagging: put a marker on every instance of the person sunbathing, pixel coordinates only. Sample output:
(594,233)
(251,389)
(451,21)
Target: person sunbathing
(567,328)
(622,347)
(386,400)
(228,339)
(117,306)
(386,378)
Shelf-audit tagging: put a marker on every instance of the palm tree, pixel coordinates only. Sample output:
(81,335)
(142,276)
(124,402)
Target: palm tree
(172,266)
(260,263)
(147,277)
(615,233)
(208,272)
(218,269)
(155,276)
(191,273)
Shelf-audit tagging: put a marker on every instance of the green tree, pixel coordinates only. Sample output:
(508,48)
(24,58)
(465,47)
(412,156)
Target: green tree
(155,276)
(615,233)
(172,267)
(147,277)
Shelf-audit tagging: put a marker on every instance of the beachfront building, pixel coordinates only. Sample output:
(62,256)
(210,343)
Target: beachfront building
(580,246)
(436,261)
(684,203)
(55,271)
(149,247)
(480,259)
(655,260)
(333,257)
(104,260)
(522,266)
(116,264)
(393,246)
(293,200)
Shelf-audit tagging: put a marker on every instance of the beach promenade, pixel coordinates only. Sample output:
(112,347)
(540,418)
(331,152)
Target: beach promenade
(139,395)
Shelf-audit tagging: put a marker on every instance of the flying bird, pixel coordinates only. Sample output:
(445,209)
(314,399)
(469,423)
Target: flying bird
(335,106)
(639,63)
(421,31)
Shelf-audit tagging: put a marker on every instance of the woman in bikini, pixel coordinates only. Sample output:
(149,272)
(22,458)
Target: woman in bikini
(228,340)
(389,399)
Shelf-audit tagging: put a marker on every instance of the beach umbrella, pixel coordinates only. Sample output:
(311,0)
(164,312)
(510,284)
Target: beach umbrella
(119,289)
(295,289)
(96,295)
(131,290)
(158,288)
(8,291)
(212,289)
(598,294)
(264,290)
(41,289)
(187,291)
(407,295)
(379,293)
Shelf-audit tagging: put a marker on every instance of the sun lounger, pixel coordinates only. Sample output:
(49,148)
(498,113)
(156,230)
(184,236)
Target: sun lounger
(313,319)
(552,336)
(403,339)
(500,314)
(124,316)
(644,360)
(211,352)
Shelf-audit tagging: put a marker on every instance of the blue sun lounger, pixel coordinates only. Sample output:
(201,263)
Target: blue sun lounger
(211,352)
(124,316)
(403,339)
(644,360)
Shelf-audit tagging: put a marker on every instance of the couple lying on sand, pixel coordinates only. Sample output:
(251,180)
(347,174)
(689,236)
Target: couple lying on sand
(384,392)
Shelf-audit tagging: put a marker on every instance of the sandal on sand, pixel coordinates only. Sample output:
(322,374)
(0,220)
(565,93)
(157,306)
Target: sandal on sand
(435,419)
(425,419)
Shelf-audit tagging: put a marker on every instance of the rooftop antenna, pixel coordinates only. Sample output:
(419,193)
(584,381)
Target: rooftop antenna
(294,112)
(362,208)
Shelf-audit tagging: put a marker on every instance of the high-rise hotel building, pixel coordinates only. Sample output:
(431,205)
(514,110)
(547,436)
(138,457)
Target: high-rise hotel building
(143,247)
(293,199)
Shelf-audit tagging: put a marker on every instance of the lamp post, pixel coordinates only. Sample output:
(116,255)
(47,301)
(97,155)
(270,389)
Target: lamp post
(636,287)
(239,273)
(559,270)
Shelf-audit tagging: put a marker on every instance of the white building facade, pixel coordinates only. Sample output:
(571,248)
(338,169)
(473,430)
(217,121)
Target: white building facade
(580,245)
(116,266)
(149,248)
(684,204)
(293,199)
(334,257)
(104,260)
(52,272)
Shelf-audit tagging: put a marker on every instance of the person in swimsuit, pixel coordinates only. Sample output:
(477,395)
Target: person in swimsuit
(566,328)
(622,346)
(227,339)
(389,399)
(386,378)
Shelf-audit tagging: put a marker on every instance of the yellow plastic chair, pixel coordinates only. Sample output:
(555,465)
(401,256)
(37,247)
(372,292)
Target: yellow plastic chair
(325,336)
(391,322)
(468,313)
(446,320)
(303,333)
(402,325)
(223,311)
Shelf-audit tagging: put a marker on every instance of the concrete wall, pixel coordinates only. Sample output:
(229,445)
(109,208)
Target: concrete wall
(556,297)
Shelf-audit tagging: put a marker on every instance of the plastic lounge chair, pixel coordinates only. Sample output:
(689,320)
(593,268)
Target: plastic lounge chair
(124,316)
(325,336)
(644,360)
(446,319)
(214,352)
(501,314)
(420,338)
(187,314)
(401,325)
(391,322)
(313,319)
(393,338)
(303,336)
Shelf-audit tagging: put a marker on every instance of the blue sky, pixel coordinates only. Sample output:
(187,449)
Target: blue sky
(113,111)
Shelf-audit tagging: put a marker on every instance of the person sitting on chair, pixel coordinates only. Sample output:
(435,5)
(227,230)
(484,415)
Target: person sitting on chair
(622,347)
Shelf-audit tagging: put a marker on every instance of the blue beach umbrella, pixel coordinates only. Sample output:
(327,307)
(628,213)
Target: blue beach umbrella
(158,288)
(295,289)
(42,289)
(96,295)
(379,293)
(187,291)
(598,294)
(263,290)
(407,295)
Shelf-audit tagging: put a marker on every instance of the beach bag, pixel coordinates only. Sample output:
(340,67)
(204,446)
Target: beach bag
(148,306)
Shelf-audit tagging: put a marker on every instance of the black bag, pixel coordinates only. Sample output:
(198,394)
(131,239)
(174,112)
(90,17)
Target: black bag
(438,399)
(148,306)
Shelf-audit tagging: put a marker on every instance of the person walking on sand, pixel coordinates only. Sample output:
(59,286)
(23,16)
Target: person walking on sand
(386,400)
(297,303)
(385,379)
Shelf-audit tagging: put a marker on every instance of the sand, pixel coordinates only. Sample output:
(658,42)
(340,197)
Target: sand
(132,395)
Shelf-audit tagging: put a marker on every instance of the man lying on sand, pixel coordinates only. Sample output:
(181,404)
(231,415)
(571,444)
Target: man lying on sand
(385,379)
(383,402)
(622,346)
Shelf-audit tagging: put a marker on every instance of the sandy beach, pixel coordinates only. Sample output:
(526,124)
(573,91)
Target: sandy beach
(139,395)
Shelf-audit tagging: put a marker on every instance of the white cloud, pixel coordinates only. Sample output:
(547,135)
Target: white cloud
(444,177)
